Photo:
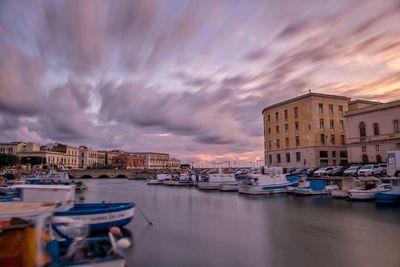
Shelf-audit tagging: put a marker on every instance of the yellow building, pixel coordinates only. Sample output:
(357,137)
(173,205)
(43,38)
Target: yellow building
(154,160)
(306,131)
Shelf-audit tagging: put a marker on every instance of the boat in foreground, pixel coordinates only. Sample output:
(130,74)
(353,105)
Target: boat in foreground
(56,178)
(98,216)
(27,239)
(391,196)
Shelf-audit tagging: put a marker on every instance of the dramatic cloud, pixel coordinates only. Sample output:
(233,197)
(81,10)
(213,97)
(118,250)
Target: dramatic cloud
(186,77)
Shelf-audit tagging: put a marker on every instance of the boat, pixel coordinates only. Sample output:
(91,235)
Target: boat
(184,179)
(266,181)
(316,187)
(303,183)
(213,181)
(159,179)
(56,178)
(98,216)
(391,196)
(346,183)
(27,239)
(372,186)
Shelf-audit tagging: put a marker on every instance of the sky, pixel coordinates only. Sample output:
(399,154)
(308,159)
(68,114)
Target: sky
(189,78)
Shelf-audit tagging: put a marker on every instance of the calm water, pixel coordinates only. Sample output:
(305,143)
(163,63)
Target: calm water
(196,228)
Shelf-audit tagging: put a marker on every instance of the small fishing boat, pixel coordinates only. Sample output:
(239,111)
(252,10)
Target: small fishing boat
(391,196)
(267,181)
(303,183)
(213,181)
(184,179)
(370,186)
(98,216)
(317,187)
(27,239)
(56,178)
(229,187)
(159,179)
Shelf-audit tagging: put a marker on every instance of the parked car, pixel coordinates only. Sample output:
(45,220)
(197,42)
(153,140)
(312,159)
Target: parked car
(322,171)
(352,170)
(299,171)
(369,170)
(310,171)
(290,171)
(384,168)
(336,171)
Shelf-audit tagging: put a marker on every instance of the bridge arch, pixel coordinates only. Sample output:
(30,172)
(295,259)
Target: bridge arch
(121,176)
(86,176)
(103,176)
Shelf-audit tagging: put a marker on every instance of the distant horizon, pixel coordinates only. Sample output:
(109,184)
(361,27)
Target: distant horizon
(190,77)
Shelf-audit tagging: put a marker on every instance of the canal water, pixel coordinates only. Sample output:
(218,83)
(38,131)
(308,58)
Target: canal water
(197,228)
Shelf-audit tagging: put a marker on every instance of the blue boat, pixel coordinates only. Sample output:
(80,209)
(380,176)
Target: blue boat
(392,196)
(316,187)
(98,216)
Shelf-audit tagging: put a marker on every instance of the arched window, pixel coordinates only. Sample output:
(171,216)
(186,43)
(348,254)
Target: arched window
(363,132)
(364,158)
(396,126)
(378,158)
(376,128)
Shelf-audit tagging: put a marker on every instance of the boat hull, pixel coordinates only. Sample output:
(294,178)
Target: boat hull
(178,183)
(100,216)
(359,195)
(208,186)
(387,198)
(264,189)
(228,187)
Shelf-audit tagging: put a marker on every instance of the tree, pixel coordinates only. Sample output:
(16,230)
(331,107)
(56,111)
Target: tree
(7,160)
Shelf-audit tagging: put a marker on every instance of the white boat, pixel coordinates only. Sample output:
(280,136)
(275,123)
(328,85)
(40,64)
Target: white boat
(316,187)
(214,181)
(391,196)
(98,216)
(184,179)
(160,178)
(267,181)
(302,184)
(56,178)
(368,194)
(229,187)
(346,184)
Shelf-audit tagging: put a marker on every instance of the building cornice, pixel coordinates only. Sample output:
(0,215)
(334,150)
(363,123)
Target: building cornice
(377,107)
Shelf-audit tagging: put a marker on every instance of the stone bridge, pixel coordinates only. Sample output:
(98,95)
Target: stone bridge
(110,173)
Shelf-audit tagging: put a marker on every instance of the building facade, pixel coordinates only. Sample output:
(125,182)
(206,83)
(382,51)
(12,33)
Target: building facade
(373,130)
(101,158)
(306,131)
(174,163)
(127,161)
(153,160)
(17,147)
(67,157)
(87,157)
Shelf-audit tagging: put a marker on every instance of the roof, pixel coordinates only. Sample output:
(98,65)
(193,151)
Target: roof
(10,208)
(361,101)
(303,97)
(377,107)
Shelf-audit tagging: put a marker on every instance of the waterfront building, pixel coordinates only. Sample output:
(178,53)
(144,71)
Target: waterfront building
(87,157)
(101,158)
(373,129)
(128,161)
(153,160)
(17,147)
(174,163)
(306,131)
(68,155)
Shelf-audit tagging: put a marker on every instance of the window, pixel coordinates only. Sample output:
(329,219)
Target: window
(365,158)
(378,158)
(286,128)
(377,147)
(296,126)
(268,117)
(376,128)
(288,157)
(277,129)
(341,110)
(269,145)
(287,142)
(363,132)
(321,109)
(330,110)
(296,113)
(343,154)
(396,126)
(298,156)
(333,139)
(322,138)
(269,131)
(342,141)
(332,125)
(341,126)
(297,141)
(270,159)
(278,143)
(278,158)
(333,154)
(321,124)
(323,154)
(397,145)
(363,149)
(286,114)
(276,116)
